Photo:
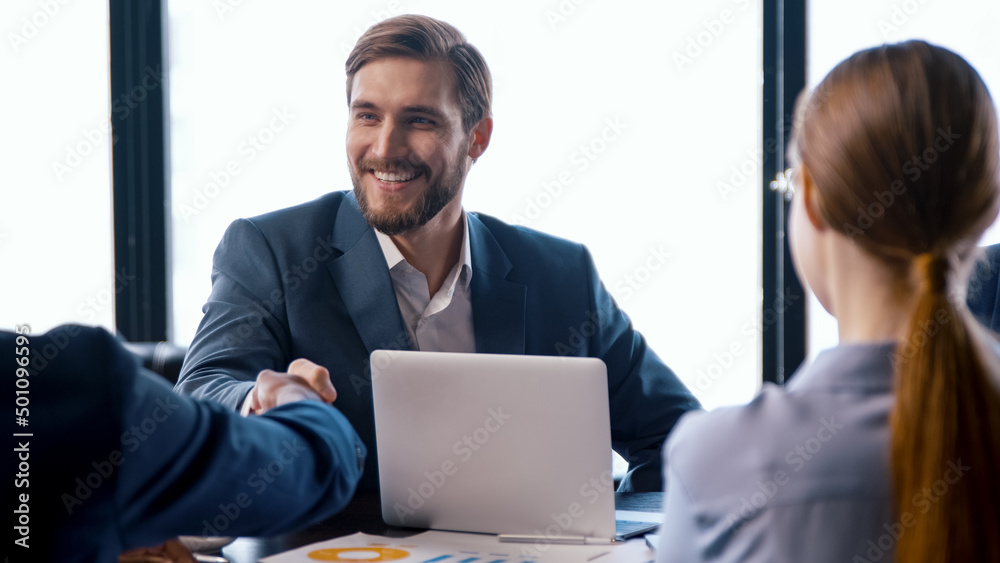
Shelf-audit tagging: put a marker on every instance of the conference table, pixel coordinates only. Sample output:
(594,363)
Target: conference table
(364,514)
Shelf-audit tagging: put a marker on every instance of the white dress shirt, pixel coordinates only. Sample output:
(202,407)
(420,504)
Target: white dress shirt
(442,323)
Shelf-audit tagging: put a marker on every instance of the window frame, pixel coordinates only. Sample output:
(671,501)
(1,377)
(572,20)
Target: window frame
(141,170)
(140,167)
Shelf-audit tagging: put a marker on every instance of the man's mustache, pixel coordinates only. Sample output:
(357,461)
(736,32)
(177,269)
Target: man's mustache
(400,165)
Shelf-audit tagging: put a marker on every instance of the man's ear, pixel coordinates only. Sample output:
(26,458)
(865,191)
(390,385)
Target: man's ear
(480,137)
(807,191)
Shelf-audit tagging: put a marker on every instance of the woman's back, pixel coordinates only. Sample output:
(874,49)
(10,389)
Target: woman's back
(912,390)
(814,486)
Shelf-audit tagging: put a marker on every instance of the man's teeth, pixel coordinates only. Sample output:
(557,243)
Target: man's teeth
(396,176)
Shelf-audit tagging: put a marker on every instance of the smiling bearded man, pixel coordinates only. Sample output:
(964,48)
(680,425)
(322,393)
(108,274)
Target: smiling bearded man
(399,264)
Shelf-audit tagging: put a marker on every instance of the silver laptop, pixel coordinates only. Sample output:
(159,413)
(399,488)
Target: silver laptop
(518,446)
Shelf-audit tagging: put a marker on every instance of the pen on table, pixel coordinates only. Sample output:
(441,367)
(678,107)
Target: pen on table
(209,558)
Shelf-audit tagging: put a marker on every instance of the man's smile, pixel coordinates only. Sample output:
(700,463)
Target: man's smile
(390,177)
(394,181)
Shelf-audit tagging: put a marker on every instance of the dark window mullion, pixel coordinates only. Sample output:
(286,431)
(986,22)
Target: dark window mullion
(140,193)
(783,319)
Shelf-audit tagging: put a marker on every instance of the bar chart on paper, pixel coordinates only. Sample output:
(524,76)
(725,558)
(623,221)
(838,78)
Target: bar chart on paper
(451,547)
(472,557)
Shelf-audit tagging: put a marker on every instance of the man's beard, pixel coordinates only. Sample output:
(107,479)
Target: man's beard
(431,201)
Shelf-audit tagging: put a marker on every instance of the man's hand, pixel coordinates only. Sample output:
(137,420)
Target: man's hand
(303,381)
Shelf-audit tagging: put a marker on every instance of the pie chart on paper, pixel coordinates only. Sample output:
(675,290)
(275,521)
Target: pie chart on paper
(358,554)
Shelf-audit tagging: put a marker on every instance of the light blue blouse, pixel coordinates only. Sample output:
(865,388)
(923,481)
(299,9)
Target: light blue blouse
(799,474)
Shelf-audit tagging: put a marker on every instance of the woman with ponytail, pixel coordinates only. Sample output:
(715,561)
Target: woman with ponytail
(887,447)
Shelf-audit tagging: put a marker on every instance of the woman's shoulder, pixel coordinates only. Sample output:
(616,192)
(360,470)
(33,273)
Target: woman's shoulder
(807,439)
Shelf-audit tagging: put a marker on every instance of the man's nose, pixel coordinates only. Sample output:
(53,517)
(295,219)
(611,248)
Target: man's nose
(390,142)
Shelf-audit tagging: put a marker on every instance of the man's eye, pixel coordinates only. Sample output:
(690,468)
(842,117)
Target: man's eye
(422,120)
(366,116)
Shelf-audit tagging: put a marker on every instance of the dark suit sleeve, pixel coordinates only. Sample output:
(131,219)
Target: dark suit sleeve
(646,397)
(194,468)
(983,294)
(245,328)
(118,461)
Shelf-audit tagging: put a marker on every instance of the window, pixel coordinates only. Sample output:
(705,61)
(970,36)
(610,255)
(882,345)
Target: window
(839,29)
(55,220)
(632,127)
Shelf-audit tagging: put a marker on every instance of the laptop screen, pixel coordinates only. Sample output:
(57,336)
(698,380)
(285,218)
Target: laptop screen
(500,444)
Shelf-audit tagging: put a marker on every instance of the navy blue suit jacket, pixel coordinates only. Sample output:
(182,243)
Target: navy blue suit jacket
(311,282)
(117,460)
(983,295)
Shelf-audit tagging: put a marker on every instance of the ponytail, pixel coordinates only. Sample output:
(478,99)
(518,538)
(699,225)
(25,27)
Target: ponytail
(877,112)
(945,444)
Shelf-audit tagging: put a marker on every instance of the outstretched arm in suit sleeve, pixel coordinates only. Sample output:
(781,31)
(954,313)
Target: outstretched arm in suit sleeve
(119,461)
(195,468)
(245,327)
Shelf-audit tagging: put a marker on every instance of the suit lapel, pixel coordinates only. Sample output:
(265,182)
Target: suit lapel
(497,304)
(362,278)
